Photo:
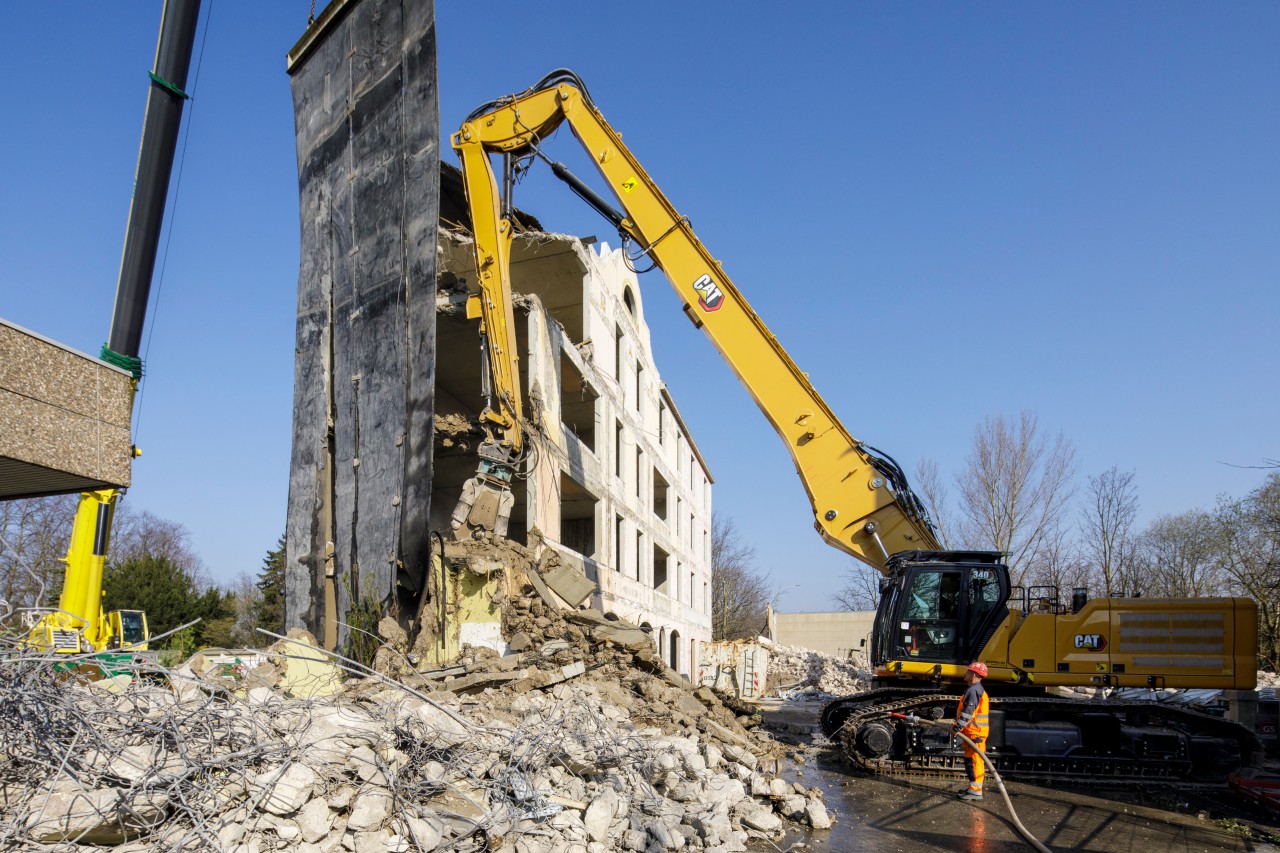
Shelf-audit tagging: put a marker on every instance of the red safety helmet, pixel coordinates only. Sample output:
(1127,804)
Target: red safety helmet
(978,668)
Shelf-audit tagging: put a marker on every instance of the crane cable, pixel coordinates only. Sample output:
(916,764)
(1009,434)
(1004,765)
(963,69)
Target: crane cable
(1026,833)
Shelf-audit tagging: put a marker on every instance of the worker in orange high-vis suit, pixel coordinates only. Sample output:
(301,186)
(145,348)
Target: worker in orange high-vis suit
(973,721)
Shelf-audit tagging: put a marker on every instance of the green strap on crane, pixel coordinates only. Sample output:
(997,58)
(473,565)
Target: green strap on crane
(128,363)
(167,86)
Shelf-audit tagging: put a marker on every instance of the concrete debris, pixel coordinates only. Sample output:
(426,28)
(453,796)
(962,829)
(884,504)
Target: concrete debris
(579,740)
(798,673)
(569,583)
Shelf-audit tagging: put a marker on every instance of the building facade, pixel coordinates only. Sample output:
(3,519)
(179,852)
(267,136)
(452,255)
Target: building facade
(615,483)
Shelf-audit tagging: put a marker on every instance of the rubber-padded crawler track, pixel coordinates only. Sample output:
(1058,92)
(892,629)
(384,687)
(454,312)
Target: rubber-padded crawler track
(844,718)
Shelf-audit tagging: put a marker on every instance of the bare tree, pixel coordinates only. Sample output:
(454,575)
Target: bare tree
(34,536)
(1267,463)
(247,598)
(1107,530)
(861,590)
(1015,490)
(933,492)
(1180,553)
(739,594)
(1060,564)
(1249,558)
(144,534)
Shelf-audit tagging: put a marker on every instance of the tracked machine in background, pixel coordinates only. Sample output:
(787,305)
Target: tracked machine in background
(939,610)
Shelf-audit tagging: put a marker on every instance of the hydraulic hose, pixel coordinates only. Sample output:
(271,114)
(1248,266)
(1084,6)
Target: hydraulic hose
(1026,833)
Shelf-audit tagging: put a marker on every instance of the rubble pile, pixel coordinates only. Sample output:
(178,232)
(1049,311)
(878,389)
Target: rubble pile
(796,672)
(577,740)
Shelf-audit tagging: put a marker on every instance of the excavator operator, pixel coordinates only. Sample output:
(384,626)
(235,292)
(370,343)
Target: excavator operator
(973,721)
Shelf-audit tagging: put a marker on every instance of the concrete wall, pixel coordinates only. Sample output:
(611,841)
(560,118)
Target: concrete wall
(368,139)
(64,418)
(843,634)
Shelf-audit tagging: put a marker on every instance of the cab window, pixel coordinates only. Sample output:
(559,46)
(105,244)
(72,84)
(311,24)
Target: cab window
(930,625)
(131,630)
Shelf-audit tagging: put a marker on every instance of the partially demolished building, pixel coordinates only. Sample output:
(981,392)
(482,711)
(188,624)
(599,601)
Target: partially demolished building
(388,379)
(617,486)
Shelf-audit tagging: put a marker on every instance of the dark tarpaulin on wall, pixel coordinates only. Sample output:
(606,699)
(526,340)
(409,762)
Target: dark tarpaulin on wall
(368,133)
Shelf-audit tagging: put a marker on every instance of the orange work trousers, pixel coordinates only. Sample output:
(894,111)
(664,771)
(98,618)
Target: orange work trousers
(974,767)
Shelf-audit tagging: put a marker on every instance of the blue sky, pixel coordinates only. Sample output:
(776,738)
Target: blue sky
(945,212)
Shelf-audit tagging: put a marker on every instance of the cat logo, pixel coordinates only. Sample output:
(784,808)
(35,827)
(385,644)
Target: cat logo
(710,296)
(1091,642)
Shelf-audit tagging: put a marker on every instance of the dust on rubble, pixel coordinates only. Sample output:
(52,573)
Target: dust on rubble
(578,738)
(796,673)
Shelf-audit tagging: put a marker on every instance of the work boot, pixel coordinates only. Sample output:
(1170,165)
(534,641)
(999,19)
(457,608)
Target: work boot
(971,796)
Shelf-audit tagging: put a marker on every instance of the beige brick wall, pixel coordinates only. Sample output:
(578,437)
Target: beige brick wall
(64,418)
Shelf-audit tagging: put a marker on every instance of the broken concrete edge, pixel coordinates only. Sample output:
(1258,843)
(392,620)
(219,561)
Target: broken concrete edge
(544,592)
(367,672)
(569,584)
(64,418)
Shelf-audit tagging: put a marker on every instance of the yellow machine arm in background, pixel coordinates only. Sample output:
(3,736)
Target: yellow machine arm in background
(80,625)
(861,501)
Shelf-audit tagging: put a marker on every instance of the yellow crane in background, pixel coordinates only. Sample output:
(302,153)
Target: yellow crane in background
(81,623)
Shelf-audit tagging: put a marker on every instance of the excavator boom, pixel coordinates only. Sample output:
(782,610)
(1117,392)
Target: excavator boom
(861,500)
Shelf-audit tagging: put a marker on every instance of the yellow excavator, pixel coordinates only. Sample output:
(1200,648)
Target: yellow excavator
(81,624)
(939,610)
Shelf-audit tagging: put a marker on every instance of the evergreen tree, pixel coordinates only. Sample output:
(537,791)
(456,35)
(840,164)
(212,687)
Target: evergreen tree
(270,609)
(169,596)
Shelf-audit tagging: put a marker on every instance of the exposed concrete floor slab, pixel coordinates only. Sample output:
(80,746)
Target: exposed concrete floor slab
(891,815)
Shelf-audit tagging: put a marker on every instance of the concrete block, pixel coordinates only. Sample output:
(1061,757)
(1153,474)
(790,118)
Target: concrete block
(64,418)
(569,583)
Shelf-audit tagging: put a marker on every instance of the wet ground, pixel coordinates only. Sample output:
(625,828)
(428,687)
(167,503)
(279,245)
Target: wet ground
(890,815)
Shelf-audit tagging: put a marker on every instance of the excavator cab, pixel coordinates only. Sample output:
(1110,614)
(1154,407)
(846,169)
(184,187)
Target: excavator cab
(129,629)
(939,606)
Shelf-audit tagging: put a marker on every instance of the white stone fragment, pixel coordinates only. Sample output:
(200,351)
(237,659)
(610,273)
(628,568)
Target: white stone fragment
(426,832)
(443,730)
(369,810)
(755,816)
(816,812)
(600,814)
(285,793)
(314,820)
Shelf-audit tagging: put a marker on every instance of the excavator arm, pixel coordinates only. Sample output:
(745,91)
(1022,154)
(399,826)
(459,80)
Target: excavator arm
(861,500)
(486,501)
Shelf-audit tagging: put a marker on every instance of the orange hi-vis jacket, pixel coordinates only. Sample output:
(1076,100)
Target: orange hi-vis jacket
(973,713)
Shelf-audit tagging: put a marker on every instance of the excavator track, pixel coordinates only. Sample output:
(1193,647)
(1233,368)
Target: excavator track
(1044,740)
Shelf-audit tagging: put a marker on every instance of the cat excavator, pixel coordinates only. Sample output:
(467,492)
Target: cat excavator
(939,609)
